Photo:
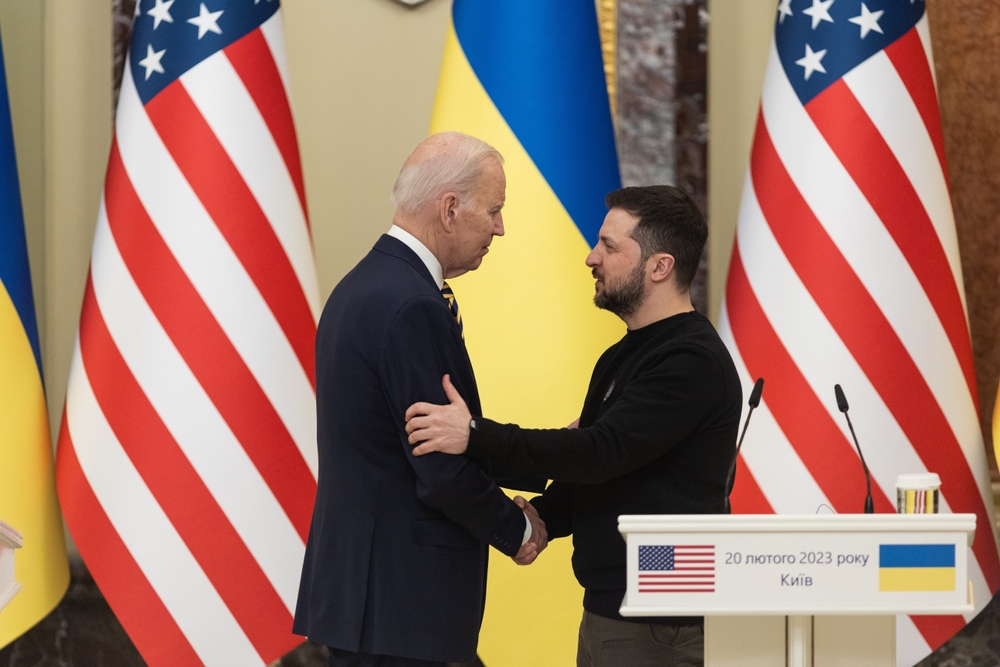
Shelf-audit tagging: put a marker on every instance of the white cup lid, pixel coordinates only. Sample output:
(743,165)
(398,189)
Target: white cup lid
(918,480)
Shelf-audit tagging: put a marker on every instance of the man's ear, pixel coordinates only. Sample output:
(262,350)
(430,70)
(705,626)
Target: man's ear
(663,267)
(448,211)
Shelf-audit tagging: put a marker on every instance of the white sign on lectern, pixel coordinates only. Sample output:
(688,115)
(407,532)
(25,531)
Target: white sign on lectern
(804,565)
(10,539)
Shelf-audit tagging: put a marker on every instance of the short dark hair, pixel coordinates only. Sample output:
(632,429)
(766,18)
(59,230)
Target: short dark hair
(669,221)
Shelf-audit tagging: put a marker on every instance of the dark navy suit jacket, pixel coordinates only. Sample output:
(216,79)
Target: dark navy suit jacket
(396,558)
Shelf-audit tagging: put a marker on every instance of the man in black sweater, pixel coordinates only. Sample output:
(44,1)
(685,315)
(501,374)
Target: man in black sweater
(656,435)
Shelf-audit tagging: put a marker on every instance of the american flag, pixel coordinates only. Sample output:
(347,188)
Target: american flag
(846,270)
(680,568)
(187,458)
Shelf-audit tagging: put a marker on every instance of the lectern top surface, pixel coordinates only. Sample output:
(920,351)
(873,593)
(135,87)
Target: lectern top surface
(10,537)
(781,523)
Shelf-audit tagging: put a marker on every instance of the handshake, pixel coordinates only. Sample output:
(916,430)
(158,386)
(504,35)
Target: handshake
(539,538)
(445,428)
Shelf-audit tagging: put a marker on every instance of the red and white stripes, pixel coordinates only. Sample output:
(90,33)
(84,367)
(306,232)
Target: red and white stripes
(187,458)
(846,270)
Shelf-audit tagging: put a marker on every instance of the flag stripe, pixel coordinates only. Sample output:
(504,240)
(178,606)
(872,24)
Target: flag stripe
(798,411)
(938,629)
(274,35)
(908,57)
(882,93)
(148,534)
(865,332)
(209,264)
(784,479)
(871,252)
(847,216)
(747,497)
(134,602)
(847,255)
(206,349)
(228,108)
(911,647)
(885,101)
(251,57)
(188,444)
(222,191)
(179,491)
(863,151)
(192,419)
(791,311)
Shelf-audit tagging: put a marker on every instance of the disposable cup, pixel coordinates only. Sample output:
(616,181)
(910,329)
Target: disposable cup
(918,493)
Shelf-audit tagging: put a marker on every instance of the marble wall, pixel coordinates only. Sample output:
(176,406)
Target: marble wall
(662,121)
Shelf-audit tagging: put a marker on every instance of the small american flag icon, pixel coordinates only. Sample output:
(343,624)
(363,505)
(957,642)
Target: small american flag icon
(681,568)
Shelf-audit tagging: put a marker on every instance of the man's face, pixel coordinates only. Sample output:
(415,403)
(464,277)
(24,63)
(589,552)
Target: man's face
(616,263)
(478,220)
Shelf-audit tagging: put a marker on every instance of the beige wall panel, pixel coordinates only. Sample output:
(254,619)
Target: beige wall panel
(77,136)
(745,641)
(363,79)
(854,641)
(739,36)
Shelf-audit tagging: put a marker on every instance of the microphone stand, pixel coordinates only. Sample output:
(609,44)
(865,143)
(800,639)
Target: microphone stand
(843,407)
(758,389)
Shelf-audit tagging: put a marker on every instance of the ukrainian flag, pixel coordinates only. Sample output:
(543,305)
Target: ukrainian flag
(528,78)
(916,567)
(27,489)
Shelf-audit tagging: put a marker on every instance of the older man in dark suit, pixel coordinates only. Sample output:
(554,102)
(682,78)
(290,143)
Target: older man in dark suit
(395,566)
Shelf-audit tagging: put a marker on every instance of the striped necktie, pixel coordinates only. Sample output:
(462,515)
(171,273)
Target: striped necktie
(449,296)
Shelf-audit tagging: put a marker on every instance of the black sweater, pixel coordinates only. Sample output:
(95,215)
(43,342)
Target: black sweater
(657,435)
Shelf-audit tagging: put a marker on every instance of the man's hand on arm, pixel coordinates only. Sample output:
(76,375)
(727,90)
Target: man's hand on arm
(439,428)
(538,539)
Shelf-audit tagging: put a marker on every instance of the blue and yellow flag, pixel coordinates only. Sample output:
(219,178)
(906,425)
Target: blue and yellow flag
(27,487)
(528,78)
(916,567)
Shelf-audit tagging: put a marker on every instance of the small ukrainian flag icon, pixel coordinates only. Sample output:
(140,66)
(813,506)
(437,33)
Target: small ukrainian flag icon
(916,567)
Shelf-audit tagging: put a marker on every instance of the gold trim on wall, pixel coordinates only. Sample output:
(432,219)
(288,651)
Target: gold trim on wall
(607,22)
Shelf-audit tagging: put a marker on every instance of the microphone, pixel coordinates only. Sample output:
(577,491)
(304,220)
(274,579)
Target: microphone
(843,407)
(758,389)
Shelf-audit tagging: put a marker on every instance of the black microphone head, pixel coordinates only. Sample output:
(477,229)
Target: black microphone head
(841,399)
(758,389)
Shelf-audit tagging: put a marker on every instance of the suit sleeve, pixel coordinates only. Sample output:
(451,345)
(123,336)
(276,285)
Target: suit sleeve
(659,408)
(422,345)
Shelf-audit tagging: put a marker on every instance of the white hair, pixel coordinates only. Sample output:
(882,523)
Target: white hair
(453,163)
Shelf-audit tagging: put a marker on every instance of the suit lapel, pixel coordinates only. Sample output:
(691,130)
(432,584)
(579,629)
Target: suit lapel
(396,248)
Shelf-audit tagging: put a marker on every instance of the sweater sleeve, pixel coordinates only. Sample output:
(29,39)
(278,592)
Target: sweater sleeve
(670,396)
(555,507)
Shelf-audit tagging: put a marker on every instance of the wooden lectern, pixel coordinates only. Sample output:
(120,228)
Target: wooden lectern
(10,539)
(797,590)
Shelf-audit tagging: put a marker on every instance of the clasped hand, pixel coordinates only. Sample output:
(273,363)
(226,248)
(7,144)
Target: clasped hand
(539,536)
(439,428)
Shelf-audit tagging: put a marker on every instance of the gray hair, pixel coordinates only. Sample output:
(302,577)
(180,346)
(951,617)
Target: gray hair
(446,162)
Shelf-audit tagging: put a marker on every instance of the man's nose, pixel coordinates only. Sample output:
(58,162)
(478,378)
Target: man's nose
(498,227)
(593,259)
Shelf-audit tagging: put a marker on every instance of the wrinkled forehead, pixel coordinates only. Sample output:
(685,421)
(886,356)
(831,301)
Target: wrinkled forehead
(618,225)
(492,182)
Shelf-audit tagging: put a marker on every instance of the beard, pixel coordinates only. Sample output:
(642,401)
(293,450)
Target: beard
(624,297)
